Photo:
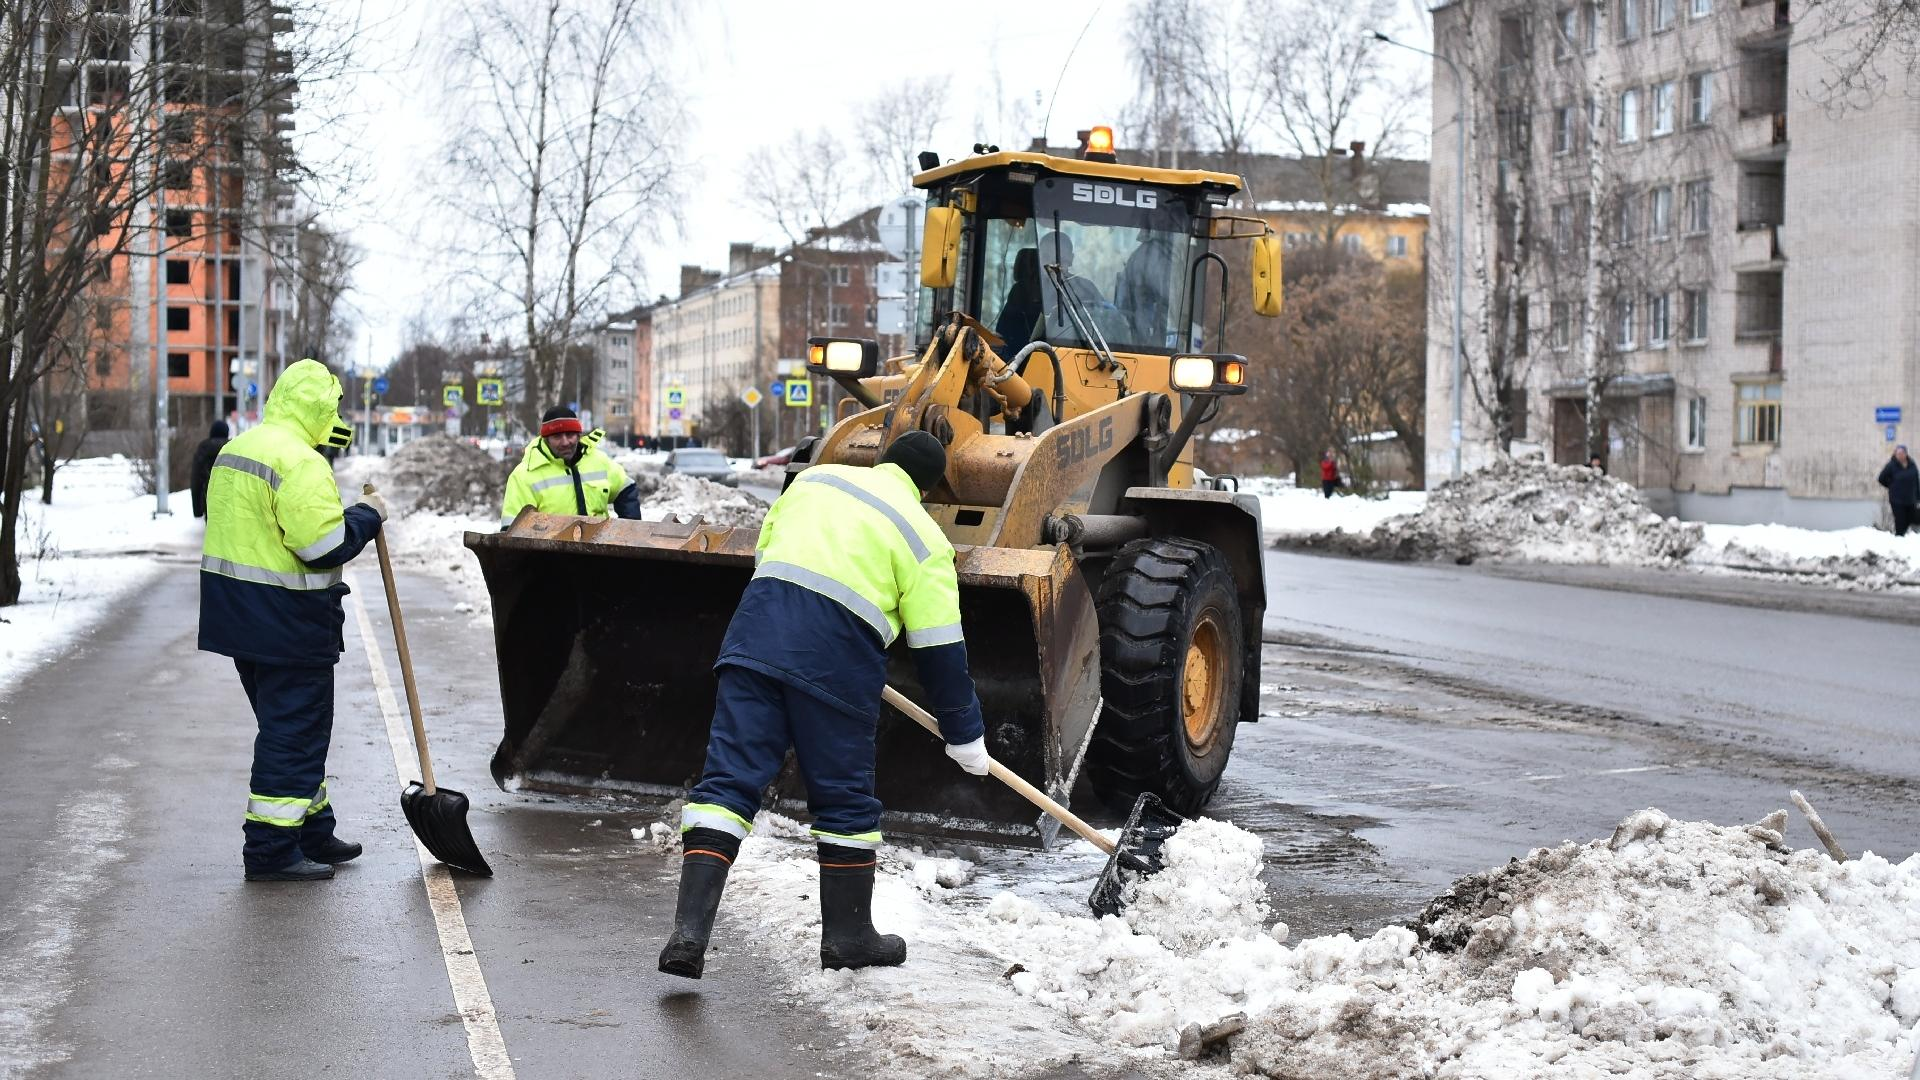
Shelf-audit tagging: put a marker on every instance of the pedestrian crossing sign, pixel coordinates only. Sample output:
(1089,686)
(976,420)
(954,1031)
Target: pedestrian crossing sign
(453,396)
(676,396)
(493,391)
(799,393)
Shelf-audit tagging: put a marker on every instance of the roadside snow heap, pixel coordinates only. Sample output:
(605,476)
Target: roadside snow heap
(1526,510)
(1669,950)
(680,495)
(444,475)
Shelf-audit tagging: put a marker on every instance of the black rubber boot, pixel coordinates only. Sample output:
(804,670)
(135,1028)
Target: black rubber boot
(300,869)
(847,936)
(331,850)
(706,856)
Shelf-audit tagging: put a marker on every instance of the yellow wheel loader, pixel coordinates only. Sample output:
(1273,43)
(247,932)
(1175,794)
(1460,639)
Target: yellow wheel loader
(1070,325)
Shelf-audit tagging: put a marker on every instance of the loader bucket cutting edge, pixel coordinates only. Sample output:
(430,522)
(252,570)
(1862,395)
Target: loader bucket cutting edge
(606,633)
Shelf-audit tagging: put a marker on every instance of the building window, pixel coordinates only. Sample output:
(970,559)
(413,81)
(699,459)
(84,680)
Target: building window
(1629,19)
(1567,23)
(1297,240)
(179,318)
(840,275)
(1665,99)
(178,367)
(1699,206)
(1664,13)
(1626,218)
(178,128)
(1700,9)
(1397,247)
(1759,413)
(177,175)
(617,408)
(1516,402)
(1560,227)
(1694,311)
(1657,322)
(1700,98)
(1629,116)
(619,341)
(1660,212)
(837,315)
(103,365)
(1590,40)
(1563,129)
(1352,244)
(179,272)
(1696,423)
(1560,325)
(180,223)
(1623,323)
(872,315)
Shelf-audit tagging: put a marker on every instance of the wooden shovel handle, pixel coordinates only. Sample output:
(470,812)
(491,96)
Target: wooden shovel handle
(406,658)
(1005,775)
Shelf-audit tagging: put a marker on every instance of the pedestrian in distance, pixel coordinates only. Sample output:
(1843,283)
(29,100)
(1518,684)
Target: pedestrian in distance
(204,456)
(1597,464)
(847,560)
(1901,478)
(270,598)
(1329,475)
(564,471)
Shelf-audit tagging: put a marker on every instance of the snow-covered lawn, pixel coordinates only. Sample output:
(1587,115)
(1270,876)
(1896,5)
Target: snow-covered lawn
(96,542)
(1289,511)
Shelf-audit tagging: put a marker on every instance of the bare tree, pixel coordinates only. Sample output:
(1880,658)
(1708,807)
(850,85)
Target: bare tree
(564,125)
(1201,83)
(799,186)
(895,125)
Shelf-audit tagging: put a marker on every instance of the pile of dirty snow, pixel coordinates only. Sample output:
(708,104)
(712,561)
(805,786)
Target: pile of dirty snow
(1668,950)
(1527,510)
(1860,558)
(443,475)
(664,495)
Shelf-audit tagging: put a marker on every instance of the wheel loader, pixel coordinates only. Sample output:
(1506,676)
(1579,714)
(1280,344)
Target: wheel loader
(1070,342)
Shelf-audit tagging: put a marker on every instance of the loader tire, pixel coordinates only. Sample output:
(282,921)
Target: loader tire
(1171,665)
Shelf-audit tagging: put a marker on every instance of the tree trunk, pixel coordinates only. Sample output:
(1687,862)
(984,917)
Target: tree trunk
(15,474)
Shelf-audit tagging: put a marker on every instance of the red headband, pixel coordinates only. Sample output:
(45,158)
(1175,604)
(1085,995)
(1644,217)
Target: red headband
(562,426)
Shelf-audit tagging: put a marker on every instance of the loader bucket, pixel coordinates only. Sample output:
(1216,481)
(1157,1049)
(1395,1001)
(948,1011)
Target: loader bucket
(606,633)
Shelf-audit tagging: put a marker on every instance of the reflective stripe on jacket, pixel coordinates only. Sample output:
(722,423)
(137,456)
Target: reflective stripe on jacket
(277,535)
(588,487)
(847,562)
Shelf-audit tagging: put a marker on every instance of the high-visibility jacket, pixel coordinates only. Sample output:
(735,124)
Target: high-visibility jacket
(587,485)
(277,536)
(848,561)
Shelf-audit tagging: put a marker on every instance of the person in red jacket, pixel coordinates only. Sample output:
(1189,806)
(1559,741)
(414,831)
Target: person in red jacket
(1329,475)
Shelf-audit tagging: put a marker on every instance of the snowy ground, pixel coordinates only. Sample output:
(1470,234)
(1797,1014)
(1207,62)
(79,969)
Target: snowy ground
(1668,950)
(96,542)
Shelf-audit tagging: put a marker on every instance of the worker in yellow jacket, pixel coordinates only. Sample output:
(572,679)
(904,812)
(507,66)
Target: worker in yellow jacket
(564,471)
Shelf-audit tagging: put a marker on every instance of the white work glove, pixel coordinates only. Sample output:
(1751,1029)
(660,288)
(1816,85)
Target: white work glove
(972,756)
(374,500)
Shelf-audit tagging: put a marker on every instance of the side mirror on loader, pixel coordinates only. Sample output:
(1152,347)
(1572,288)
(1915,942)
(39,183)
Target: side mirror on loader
(1266,275)
(940,248)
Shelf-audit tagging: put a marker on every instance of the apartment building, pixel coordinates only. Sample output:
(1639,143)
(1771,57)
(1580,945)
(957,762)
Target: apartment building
(1693,264)
(715,339)
(614,377)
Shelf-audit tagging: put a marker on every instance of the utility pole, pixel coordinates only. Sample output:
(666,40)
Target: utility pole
(162,366)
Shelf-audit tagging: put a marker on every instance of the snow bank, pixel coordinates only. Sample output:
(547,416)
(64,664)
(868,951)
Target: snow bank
(1527,510)
(1856,558)
(678,495)
(1667,950)
(1288,512)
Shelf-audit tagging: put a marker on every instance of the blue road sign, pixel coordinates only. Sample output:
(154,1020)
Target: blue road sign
(253,389)
(675,414)
(380,385)
(1887,414)
(1893,432)
(778,389)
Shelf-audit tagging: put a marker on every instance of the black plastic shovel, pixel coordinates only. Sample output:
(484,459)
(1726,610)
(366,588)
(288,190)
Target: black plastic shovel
(438,815)
(1136,855)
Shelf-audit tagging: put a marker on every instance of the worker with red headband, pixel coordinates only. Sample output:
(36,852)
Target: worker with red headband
(564,472)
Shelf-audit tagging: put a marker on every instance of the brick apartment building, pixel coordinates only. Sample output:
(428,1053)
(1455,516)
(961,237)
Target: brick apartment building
(1755,266)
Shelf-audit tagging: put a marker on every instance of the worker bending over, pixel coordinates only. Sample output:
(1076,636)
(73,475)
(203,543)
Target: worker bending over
(847,560)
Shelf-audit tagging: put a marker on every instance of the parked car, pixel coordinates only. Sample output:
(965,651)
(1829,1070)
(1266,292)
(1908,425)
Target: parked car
(705,464)
(778,457)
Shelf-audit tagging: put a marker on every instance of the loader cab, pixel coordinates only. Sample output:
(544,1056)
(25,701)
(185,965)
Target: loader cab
(1080,254)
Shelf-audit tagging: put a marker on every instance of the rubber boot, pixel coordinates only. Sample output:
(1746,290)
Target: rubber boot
(331,850)
(847,936)
(706,856)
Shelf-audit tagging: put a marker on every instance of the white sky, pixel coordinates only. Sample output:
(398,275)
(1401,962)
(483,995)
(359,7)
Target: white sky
(755,70)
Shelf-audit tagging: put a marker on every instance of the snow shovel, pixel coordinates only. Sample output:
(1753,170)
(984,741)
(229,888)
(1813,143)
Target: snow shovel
(1137,854)
(438,815)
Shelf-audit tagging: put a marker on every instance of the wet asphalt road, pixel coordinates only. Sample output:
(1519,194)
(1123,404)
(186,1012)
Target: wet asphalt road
(1421,722)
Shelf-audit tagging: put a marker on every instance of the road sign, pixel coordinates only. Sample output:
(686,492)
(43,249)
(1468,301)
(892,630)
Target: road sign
(778,388)
(492,391)
(890,279)
(1893,432)
(799,393)
(789,368)
(751,396)
(1887,414)
(253,389)
(380,385)
(676,414)
(899,225)
(890,313)
(453,396)
(676,396)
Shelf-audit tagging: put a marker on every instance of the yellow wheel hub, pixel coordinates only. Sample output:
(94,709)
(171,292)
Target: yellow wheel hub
(1204,681)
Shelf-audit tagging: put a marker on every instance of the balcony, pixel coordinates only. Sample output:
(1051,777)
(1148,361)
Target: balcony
(1756,247)
(1760,137)
(1762,22)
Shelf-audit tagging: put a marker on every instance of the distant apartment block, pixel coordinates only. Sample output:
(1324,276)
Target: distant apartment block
(1754,252)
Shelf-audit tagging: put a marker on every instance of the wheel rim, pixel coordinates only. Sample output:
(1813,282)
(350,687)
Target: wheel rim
(1202,683)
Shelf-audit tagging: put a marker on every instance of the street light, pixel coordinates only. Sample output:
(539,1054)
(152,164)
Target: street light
(1460,120)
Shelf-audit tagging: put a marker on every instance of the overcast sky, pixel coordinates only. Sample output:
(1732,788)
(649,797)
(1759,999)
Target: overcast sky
(755,71)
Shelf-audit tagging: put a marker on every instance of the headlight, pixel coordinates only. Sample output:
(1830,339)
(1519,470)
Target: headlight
(1193,373)
(857,357)
(1221,373)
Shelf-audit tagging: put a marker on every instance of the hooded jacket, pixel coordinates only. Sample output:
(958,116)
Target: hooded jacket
(270,581)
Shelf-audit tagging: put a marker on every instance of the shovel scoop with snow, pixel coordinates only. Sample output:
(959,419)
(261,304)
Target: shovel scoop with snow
(1137,854)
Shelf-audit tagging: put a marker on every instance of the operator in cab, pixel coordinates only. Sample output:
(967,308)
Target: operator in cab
(848,560)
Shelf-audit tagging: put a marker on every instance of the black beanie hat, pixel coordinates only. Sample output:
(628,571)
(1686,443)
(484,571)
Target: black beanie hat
(921,455)
(218,430)
(559,412)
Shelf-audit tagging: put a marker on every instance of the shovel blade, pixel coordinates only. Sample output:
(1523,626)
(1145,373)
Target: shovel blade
(440,821)
(1137,854)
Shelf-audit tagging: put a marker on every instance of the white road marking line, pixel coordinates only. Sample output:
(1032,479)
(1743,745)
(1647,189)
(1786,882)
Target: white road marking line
(1530,779)
(484,1042)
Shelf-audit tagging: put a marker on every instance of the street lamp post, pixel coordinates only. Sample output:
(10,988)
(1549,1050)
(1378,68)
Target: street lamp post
(1460,120)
